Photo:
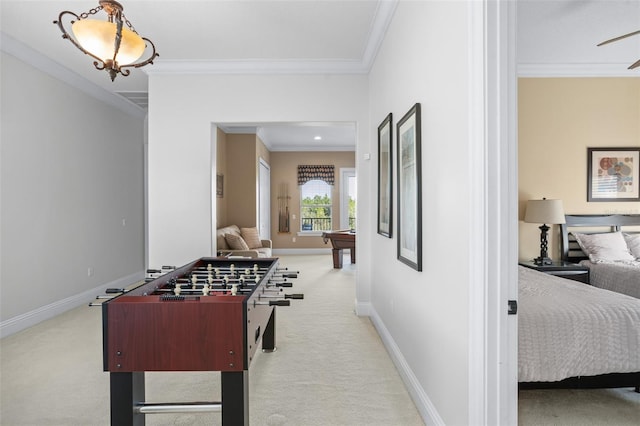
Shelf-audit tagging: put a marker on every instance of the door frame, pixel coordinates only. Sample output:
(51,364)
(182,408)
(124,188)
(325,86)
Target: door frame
(493,334)
(264,200)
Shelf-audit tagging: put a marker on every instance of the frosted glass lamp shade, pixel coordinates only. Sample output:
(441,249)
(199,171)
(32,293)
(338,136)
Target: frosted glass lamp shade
(98,37)
(544,211)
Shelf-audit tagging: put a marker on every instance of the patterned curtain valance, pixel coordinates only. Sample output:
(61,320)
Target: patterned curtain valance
(307,173)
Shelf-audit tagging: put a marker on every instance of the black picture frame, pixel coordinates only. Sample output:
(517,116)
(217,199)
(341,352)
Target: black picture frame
(385,176)
(409,171)
(613,174)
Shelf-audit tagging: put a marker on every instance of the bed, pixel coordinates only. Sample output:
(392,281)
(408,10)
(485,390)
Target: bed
(609,245)
(572,335)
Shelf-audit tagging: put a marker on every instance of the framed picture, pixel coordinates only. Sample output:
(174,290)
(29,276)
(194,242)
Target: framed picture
(613,174)
(409,189)
(219,186)
(385,179)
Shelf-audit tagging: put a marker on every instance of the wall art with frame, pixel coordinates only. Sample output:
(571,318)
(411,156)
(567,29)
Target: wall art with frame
(385,177)
(613,174)
(409,189)
(219,185)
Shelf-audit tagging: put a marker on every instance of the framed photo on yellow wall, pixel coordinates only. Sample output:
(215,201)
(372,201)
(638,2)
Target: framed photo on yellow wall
(613,174)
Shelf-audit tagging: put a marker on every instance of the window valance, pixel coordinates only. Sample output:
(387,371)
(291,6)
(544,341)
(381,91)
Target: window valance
(311,172)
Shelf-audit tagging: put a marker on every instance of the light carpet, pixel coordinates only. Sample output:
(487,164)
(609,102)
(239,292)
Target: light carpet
(330,369)
(579,407)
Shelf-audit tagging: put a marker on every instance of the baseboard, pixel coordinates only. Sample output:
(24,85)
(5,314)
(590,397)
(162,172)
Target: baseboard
(28,319)
(301,251)
(363,309)
(423,403)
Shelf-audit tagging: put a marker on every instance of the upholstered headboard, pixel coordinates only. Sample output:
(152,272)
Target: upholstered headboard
(590,224)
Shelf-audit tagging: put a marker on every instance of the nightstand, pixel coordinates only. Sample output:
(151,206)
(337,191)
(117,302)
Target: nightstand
(571,271)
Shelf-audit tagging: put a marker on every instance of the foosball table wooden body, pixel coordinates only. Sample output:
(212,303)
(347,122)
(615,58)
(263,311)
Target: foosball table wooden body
(150,328)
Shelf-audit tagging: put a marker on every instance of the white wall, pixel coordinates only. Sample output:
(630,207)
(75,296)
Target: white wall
(423,60)
(433,322)
(71,171)
(182,108)
(69,177)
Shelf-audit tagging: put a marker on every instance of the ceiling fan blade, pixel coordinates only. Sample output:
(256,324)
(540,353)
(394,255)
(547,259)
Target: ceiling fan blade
(635,65)
(619,38)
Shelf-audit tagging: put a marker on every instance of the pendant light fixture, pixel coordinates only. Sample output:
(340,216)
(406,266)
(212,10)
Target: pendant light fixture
(114,46)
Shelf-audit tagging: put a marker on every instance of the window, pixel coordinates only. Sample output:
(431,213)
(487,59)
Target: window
(315,206)
(348,193)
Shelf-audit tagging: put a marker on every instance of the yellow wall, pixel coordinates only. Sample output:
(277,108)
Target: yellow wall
(240,180)
(558,118)
(284,171)
(262,152)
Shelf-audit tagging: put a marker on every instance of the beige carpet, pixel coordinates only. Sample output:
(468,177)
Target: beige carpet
(330,369)
(579,407)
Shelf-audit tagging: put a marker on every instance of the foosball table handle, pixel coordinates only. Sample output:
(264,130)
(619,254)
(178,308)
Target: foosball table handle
(298,296)
(279,303)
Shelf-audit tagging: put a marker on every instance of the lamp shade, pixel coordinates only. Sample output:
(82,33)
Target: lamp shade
(98,37)
(544,211)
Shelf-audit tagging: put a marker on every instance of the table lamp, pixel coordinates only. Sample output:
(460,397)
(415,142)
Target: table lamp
(545,212)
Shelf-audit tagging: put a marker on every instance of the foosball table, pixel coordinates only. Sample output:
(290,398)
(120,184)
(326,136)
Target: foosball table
(209,315)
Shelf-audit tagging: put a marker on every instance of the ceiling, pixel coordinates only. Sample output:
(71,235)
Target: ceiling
(307,36)
(299,136)
(560,37)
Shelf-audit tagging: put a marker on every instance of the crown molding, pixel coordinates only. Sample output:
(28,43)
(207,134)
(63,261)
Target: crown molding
(380,24)
(26,54)
(256,67)
(576,70)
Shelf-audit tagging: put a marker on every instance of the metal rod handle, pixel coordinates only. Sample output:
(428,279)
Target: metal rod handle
(177,407)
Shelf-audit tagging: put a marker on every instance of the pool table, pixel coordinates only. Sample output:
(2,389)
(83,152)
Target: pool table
(342,239)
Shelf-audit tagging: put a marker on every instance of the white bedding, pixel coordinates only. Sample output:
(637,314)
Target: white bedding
(569,329)
(621,277)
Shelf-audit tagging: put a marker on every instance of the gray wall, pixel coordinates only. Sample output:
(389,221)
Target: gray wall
(72,192)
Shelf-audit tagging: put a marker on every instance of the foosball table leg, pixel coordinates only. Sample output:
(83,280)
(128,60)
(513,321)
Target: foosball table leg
(269,334)
(127,390)
(235,398)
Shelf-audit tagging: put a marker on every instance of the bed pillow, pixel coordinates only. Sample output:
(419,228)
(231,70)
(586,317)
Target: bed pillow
(608,247)
(236,242)
(633,242)
(251,237)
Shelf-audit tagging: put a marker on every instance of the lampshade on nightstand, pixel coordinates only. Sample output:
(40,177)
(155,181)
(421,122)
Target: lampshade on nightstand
(545,212)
